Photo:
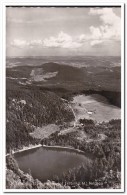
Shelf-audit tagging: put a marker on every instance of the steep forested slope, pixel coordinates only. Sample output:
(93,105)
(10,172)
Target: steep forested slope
(28,109)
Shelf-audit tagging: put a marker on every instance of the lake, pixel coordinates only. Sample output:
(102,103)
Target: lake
(44,162)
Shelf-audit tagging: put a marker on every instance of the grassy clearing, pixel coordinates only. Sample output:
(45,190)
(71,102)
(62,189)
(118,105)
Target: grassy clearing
(44,131)
(94,108)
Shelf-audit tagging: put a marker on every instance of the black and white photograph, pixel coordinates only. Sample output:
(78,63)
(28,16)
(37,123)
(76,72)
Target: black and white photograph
(64,111)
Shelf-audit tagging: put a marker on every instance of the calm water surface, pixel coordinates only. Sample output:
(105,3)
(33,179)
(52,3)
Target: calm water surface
(44,163)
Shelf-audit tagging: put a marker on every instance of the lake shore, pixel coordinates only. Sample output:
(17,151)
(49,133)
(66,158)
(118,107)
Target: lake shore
(65,148)
(51,147)
(24,149)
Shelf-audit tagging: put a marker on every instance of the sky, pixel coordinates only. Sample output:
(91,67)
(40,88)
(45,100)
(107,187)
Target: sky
(63,31)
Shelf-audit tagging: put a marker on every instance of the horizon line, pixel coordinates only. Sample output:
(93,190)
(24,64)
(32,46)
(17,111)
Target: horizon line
(68,56)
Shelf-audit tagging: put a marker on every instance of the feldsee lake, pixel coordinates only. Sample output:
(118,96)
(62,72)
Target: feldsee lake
(44,163)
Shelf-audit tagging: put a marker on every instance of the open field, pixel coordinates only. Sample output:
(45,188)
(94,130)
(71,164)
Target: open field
(94,107)
(44,131)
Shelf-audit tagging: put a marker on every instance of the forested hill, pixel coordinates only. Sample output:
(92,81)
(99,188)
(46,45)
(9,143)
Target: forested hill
(95,78)
(27,109)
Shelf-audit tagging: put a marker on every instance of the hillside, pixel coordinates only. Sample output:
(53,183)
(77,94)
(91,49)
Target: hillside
(67,77)
(28,109)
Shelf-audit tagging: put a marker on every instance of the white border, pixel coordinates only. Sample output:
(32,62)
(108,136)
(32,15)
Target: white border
(3,39)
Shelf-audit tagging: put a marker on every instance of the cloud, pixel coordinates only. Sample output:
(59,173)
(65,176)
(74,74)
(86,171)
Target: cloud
(106,15)
(20,43)
(111,23)
(109,30)
(95,33)
(22,21)
(37,42)
(63,40)
(84,37)
(96,42)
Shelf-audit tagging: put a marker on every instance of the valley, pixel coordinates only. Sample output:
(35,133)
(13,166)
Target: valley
(70,106)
